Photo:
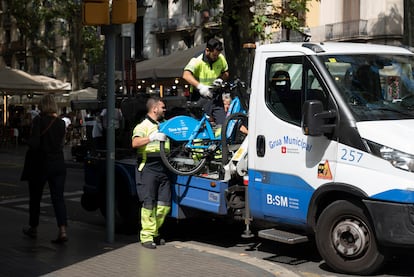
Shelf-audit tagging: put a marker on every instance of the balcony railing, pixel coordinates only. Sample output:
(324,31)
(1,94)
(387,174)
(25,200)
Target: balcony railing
(173,24)
(346,30)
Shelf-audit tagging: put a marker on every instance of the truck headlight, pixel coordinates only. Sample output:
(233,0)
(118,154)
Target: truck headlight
(397,158)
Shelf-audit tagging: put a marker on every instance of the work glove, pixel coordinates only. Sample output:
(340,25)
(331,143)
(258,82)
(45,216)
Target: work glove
(218,82)
(205,91)
(157,136)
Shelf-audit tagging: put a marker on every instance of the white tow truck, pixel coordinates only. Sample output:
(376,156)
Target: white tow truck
(329,154)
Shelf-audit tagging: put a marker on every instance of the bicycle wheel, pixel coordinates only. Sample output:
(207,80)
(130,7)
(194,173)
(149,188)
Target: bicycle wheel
(180,160)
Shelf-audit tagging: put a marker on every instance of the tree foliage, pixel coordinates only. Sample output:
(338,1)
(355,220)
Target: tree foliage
(250,21)
(245,21)
(41,21)
(242,21)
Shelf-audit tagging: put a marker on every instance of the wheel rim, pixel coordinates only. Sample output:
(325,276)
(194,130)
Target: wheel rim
(181,160)
(350,238)
(184,159)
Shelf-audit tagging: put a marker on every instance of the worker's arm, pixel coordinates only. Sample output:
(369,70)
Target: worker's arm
(141,141)
(189,77)
(137,142)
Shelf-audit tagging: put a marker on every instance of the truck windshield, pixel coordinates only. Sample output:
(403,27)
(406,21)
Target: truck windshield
(376,87)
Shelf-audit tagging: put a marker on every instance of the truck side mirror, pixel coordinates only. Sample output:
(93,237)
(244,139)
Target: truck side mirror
(314,119)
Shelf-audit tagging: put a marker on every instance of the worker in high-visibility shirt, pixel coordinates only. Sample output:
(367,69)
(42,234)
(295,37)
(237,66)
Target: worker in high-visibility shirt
(153,182)
(205,69)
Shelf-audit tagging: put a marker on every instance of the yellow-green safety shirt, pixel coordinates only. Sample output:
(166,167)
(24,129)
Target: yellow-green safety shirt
(204,71)
(152,149)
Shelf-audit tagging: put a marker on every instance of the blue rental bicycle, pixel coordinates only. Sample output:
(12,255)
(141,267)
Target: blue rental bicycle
(195,143)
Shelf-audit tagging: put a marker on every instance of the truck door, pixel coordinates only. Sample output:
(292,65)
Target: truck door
(286,166)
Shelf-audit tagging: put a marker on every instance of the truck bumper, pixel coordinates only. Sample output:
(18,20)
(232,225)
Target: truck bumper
(393,222)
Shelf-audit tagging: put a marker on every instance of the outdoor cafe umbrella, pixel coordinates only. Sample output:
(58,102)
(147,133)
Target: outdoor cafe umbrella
(15,81)
(18,82)
(170,66)
(84,94)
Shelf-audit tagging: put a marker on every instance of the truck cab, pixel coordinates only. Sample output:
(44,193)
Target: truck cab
(334,157)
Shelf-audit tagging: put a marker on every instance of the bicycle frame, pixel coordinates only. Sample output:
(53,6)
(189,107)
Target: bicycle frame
(200,134)
(235,107)
(186,128)
(179,128)
(193,142)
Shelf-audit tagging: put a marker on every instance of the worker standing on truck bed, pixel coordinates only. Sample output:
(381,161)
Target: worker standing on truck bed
(153,183)
(205,69)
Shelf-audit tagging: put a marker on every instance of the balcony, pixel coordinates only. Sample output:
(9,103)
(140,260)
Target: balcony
(346,30)
(174,24)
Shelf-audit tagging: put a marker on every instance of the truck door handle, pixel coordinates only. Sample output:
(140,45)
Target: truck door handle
(260,146)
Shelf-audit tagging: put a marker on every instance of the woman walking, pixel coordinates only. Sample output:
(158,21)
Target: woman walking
(45,163)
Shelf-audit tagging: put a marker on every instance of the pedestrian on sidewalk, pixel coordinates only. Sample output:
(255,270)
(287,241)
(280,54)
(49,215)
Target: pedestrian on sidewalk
(153,180)
(97,134)
(44,162)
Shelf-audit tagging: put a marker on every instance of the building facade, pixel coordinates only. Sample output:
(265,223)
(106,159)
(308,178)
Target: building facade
(369,21)
(166,26)
(16,51)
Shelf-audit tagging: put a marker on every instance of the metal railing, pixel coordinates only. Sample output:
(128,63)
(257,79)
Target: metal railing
(172,24)
(346,30)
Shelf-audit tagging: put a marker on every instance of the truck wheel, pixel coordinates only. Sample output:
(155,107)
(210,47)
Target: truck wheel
(128,208)
(180,160)
(346,240)
(127,212)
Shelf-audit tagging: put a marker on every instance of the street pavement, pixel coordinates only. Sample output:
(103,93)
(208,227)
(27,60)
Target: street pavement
(87,252)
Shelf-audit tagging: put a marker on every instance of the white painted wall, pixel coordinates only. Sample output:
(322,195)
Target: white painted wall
(331,11)
(383,16)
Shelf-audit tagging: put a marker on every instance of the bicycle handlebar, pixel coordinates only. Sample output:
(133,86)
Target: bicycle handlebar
(227,87)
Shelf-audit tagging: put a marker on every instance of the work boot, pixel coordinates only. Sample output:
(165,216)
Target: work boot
(149,245)
(159,241)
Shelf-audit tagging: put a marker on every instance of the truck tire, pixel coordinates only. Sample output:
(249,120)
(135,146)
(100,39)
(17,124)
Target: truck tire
(126,221)
(128,206)
(127,211)
(346,241)
(180,160)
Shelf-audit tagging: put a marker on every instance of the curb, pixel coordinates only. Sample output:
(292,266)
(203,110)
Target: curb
(272,268)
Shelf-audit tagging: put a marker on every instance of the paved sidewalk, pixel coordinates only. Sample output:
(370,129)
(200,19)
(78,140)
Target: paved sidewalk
(88,254)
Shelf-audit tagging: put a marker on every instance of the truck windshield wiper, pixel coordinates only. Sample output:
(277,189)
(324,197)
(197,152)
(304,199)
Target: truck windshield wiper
(392,110)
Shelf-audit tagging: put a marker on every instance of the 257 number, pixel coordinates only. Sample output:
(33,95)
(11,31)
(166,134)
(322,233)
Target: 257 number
(351,155)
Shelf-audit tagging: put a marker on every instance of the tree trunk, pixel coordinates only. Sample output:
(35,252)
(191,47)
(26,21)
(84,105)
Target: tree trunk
(408,37)
(76,54)
(236,32)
